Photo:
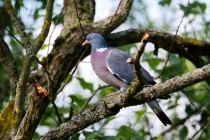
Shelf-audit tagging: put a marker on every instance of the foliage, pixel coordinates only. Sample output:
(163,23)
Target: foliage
(193,98)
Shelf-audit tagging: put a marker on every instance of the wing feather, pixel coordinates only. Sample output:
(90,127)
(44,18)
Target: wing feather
(117,65)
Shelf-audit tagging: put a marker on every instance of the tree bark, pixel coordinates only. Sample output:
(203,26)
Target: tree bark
(67,51)
(112,104)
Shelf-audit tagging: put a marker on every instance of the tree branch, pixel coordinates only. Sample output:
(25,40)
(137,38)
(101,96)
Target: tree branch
(8,63)
(57,112)
(107,25)
(30,57)
(181,122)
(46,26)
(21,85)
(17,23)
(111,105)
(136,60)
(203,127)
(85,9)
(162,40)
(190,48)
(93,94)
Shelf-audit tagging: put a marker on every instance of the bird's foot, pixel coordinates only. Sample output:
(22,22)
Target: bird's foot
(147,85)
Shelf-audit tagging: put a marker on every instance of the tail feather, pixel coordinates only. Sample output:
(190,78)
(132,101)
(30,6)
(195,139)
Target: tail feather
(159,112)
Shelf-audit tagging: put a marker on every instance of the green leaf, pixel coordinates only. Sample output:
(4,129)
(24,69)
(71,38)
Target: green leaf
(193,8)
(165,2)
(172,106)
(204,117)
(125,132)
(153,62)
(56,20)
(108,120)
(159,137)
(36,14)
(183,133)
(78,102)
(126,48)
(106,91)
(139,114)
(75,136)
(85,84)
(36,136)
(93,135)
(43,46)
(48,119)
(189,109)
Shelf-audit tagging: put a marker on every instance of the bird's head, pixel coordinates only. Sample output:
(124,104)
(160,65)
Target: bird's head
(96,41)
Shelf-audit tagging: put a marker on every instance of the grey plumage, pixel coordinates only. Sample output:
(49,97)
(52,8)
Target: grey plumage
(110,65)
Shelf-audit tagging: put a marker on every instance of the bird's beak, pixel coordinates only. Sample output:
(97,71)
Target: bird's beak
(85,43)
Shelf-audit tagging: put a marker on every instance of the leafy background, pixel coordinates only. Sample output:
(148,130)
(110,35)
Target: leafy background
(188,109)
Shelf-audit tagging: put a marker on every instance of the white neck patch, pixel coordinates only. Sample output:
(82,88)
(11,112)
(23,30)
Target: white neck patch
(101,50)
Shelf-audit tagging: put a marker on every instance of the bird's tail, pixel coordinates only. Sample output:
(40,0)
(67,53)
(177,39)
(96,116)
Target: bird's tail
(159,112)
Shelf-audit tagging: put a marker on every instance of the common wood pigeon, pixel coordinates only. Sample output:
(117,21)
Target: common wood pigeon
(110,66)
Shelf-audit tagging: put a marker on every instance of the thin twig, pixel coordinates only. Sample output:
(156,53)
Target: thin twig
(135,61)
(148,126)
(71,110)
(69,78)
(181,122)
(57,112)
(89,99)
(48,75)
(9,65)
(14,37)
(47,72)
(71,75)
(80,24)
(52,34)
(38,42)
(52,116)
(204,126)
(172,43)
(191,102)
(17,23)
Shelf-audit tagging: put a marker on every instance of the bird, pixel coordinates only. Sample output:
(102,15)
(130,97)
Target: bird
(110,66)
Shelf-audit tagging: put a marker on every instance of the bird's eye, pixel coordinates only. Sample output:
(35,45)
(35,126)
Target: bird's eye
(91,38)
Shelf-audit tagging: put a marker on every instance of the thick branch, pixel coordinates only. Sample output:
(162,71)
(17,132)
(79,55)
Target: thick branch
(107,25)
(30,56)
(111,105)
(61,60)
(8,62)
(46,26)
(190,48)
(21,85)
(104,26)
(17,23)
(85,10)
(162,40)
